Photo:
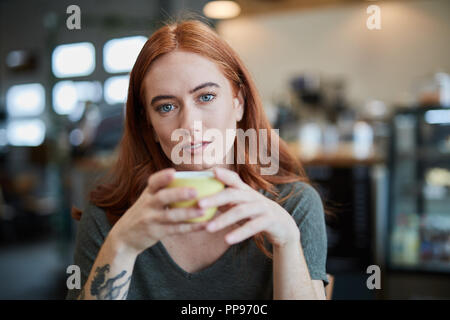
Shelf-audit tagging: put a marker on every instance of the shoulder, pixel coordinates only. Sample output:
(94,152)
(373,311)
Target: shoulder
(94,221)
(303,200)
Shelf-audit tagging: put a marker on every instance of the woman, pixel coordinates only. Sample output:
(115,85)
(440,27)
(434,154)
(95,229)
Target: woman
(131,246)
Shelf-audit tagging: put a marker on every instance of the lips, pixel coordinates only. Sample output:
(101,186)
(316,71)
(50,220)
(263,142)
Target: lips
(196,147)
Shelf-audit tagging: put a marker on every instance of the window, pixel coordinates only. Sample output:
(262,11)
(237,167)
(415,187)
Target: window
(119,55)
(70,95)
(116,89)
(25,132)
(73,60)
(25,100)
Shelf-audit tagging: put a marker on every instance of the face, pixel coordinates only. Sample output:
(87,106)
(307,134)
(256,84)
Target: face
(191,106)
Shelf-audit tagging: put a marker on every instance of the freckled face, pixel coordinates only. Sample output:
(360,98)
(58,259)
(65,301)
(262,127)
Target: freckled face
(182,88)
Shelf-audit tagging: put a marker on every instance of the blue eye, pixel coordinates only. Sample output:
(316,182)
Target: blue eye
(164,108)
(209,96)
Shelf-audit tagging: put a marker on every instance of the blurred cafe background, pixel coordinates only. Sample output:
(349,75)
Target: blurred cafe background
(366,110)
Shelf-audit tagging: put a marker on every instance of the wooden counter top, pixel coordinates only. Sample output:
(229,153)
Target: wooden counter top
(342,157)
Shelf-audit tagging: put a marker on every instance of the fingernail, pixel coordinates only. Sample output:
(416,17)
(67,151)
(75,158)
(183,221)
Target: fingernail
(202,203)
(211,226)
(192,192)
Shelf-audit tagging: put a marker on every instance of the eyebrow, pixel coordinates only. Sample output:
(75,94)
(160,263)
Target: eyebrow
(203,85)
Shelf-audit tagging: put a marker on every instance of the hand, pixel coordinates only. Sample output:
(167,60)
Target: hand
(263,214)
(148,220)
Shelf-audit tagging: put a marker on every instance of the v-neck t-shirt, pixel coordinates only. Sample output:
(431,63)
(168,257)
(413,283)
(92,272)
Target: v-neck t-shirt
(243,272)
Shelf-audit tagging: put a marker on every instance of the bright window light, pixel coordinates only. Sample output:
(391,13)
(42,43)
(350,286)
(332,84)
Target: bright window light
(72,60)
(65,97)
(68,95)
(116,89)
(28,133)
(89,90)
(119,55)
(25,100)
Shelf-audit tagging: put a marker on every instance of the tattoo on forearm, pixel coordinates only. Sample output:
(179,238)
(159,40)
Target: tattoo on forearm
(124,297)
(108,289)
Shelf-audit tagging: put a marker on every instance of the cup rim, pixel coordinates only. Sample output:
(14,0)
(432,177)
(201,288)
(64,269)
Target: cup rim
(194,174)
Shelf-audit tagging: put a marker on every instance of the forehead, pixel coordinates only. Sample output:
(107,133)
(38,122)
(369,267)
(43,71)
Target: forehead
(181,70)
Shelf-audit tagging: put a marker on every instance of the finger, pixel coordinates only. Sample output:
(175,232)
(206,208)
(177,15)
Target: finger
(230,178)
(226,196)
(160,179)
(180,214)
(177,228)
(234,215)
(247,230)
(170,195)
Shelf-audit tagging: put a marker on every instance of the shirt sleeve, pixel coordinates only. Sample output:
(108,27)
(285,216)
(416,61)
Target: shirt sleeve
(309,216)
(89,239)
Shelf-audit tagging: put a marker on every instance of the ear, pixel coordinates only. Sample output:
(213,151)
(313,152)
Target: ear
(238,105)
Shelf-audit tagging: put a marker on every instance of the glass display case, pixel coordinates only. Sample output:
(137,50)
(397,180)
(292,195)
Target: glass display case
(419,195)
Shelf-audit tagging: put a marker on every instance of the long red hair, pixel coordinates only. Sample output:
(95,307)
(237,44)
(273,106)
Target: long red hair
(139,155)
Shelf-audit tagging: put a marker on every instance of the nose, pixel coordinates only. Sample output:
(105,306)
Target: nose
(191,120)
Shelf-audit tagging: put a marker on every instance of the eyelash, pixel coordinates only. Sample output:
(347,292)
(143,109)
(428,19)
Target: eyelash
(208,94)
(159,108)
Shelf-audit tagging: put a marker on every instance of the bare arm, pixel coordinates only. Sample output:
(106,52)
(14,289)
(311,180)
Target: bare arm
(111,272)
(140,227)
(291,276)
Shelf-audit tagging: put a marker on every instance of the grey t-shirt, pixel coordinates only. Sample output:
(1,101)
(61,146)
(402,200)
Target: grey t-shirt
(243,272)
